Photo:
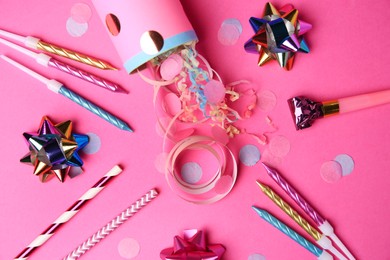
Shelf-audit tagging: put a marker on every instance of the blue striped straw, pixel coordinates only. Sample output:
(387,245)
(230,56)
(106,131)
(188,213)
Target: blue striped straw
(318,252)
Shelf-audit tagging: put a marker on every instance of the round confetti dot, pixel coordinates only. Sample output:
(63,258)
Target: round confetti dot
(224,184)
(249,155)
(160,162)
(214,91)
(228,34)
(270,159)
(76,29)
(235,22)
(93,145)
(256,257)
(171,67)
(346,162)
(162,125)
(81,12)
(220,135)
(75,171)
(172,104)
(267,100)
(128,248)
(279,146)
(331,171)
(151,42)
(191,172)
(113,24)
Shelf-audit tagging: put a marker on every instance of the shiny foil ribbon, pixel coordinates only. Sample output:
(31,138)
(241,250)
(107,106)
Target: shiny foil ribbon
(278,35)
(54,149)
(193,246)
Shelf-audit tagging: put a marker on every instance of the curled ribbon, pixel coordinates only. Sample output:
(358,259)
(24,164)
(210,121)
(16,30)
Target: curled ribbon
(218,186)
(192,246)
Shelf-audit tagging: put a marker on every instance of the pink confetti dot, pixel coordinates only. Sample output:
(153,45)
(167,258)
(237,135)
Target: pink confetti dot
(171,67)
(81,12)
(191,172)
(128,248)
(249,155)
(271,159)
(214,91)
(172,104)
(224,184)
(229,32)
(256,257)
(331,171)
(75,171)
(267,100)
(279,146)
(220,135)
(160,162)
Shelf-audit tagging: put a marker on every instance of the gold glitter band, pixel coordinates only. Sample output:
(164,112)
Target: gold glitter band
(291,212)
(330,108)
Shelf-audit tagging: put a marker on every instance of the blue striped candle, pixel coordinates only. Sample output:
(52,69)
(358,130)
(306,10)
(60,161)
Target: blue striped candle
(288,231)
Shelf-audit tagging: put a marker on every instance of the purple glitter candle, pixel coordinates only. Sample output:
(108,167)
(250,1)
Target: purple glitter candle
(294,195)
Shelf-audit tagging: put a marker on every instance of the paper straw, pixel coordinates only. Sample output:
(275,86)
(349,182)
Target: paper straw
(111,226)
(69,213)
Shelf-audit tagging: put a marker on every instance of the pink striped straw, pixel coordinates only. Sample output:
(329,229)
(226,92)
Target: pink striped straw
(111,226)
(69,213)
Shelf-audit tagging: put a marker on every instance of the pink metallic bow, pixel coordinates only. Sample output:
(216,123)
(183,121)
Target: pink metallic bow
(192,246)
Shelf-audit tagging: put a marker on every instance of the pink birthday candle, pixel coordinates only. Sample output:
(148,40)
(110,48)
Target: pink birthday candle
(320,222)
(47,61)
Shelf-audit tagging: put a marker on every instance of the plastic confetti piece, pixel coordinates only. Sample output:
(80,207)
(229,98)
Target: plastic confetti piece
(249,155)
(128,248)
(256,257)
(224,184)
(76,29)
(214,91)
(229,32)
(81,13)
(331,171)
(267,100)
(191,172)
(75,171)
(270,158)
(171,67)
(279,146)
(94,144)
(220,135)
(160,161)
(172,104)
(346,162)
(234,22)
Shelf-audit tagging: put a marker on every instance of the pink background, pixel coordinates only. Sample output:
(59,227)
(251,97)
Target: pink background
(349,44)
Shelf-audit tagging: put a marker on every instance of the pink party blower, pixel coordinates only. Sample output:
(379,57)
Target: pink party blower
(305,111)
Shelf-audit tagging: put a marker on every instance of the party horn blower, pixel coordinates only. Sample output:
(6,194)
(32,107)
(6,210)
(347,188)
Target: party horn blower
(322,224)
(59,88)
(69,213)
(111,226)
(318,252)
(47,61)
(36,43)
(305,111)
(320,239)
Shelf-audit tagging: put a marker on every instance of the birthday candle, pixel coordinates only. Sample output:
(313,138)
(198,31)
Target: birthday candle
(59,88)
(36,43)
(47,61)
(321,223)
(321,254)
(321,240)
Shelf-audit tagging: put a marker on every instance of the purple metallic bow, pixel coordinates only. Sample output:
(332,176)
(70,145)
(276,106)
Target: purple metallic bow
(192,246)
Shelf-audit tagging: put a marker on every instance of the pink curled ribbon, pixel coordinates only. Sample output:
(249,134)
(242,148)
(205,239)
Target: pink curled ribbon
(193,246)
(209,191)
